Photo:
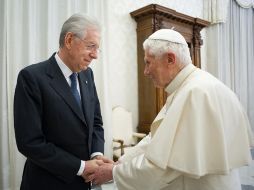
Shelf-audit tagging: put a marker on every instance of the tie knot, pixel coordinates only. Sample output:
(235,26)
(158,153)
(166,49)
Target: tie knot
(73,77)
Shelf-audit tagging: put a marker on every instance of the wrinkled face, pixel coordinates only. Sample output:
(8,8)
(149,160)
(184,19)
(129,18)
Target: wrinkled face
(156,69)
(83,51)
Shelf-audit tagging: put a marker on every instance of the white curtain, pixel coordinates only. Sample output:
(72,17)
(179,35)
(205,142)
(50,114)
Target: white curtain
(29,34)
(230,57)
(246,3)
(215,11)
(230,54)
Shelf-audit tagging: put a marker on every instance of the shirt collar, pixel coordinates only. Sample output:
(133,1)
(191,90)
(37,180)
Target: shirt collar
(180,77)
(65,70)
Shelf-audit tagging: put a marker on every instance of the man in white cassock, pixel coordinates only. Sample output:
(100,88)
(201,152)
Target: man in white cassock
(200,137)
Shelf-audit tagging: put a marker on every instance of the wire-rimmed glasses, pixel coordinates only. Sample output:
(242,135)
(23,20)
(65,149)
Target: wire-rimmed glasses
(90,46)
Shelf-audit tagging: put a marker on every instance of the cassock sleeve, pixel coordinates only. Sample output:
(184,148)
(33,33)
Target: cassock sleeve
(128,175)
(136,150)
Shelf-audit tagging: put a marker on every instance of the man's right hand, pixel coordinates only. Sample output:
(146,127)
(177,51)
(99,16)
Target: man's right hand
(90,167)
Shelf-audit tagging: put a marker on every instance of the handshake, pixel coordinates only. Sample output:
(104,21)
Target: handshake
(98,170)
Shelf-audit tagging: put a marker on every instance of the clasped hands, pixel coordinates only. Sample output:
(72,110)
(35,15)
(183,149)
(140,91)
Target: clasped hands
(98,170)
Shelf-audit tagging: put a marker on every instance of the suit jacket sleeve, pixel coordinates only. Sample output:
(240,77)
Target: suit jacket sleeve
(98,131)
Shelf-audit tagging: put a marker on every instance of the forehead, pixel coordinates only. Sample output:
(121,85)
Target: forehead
(92,34)
(148,55)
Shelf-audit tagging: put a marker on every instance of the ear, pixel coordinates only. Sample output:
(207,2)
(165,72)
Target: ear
(171,58)
(68,39)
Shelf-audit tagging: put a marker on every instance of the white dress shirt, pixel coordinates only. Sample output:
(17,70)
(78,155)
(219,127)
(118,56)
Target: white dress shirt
(67,72)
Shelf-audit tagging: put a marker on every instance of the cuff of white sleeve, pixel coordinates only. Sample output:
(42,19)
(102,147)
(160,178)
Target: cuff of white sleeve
(82,168)
(113,174)
(96,154)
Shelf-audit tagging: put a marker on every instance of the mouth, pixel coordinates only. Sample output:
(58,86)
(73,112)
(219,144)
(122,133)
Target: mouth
(88,61)
(150,77)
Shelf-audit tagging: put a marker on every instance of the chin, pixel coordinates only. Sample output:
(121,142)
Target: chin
(157,85)
(84,67)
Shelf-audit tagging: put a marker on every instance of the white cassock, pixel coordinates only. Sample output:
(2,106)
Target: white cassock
(203,136)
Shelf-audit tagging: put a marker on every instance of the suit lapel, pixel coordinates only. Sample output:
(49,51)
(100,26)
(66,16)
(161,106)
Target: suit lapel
(84,92)
(60,85)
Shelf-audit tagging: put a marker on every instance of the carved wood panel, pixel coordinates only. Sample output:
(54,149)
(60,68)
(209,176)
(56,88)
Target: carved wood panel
(150,19)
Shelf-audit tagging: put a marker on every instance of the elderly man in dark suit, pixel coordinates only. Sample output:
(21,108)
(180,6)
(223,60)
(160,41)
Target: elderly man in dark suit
(57,116)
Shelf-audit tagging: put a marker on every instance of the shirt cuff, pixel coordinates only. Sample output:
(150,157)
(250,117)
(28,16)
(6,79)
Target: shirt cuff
(82,164)
(82,168)
(96,154)
(113,174)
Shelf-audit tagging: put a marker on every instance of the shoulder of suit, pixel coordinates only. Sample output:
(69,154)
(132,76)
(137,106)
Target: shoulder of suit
(35,69)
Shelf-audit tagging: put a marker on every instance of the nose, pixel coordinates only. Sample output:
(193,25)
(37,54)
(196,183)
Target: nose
(94,54)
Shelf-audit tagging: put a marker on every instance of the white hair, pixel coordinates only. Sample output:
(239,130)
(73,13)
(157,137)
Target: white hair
(78,24)
(158,48)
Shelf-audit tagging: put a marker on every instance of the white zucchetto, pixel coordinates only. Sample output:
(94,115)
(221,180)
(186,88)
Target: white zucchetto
(168,35)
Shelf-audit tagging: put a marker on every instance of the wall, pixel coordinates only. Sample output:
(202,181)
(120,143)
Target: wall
(122,51)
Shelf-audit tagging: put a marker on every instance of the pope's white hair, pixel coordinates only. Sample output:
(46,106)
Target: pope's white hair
(158,48)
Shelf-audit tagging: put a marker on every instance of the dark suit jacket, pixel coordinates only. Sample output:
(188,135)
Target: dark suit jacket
(51,129)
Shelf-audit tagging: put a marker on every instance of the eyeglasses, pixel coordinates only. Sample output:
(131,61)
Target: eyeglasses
(90,47)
